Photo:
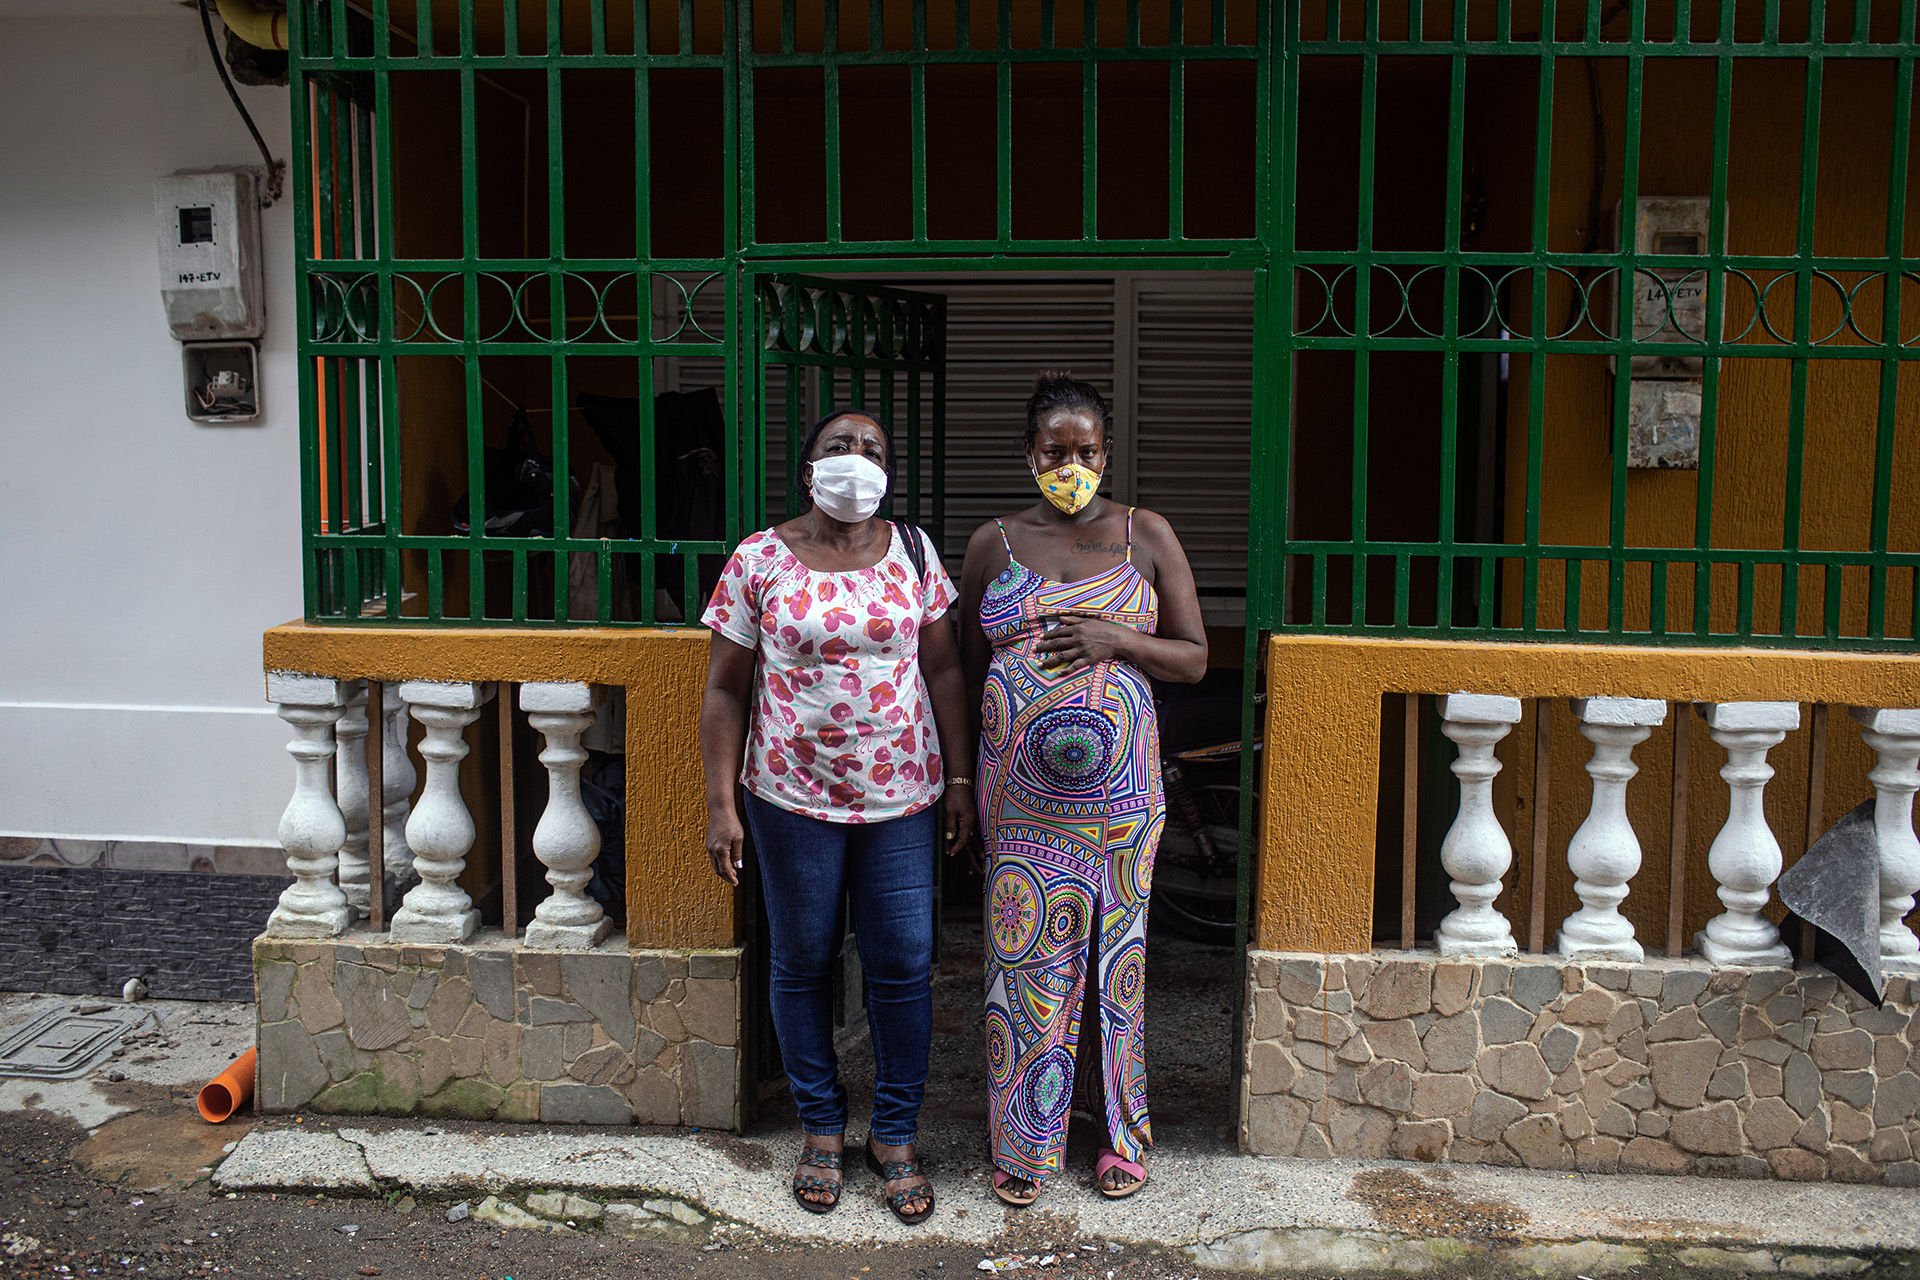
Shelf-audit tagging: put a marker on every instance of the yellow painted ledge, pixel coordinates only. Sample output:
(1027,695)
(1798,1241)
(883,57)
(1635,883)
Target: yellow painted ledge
(1320,788)
(673,897)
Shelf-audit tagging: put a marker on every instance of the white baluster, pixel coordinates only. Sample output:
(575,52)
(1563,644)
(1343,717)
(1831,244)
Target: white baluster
(350,793)
(440,831)
(566,840)
(1605,854)
(1476,852)
(1895,739)
(396,786)
(1745,858)
(311,830)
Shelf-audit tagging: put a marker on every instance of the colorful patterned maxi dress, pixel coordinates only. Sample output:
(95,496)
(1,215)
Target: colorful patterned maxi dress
(1071,811)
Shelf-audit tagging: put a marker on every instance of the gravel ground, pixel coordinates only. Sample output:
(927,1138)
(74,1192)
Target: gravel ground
(114,1175)
(57,1220)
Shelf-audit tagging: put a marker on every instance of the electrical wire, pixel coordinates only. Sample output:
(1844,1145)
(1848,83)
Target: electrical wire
(240,404)
(276,169)
(515,404)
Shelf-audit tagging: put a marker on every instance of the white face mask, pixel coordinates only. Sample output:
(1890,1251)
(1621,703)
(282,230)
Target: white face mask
(848,487)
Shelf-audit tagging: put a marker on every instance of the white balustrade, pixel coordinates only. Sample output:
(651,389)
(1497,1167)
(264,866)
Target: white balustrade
(350,792)
(1895,739)
(396,786)
(566,839)
(311,829)
(1605,853)
(440,830)
(1476,852)
(1745,857)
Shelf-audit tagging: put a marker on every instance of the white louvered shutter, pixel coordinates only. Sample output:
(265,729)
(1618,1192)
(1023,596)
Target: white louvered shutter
(999,334)
(1193,415)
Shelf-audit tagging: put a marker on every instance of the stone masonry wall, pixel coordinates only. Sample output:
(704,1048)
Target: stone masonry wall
(489,1030)
(1662,1067)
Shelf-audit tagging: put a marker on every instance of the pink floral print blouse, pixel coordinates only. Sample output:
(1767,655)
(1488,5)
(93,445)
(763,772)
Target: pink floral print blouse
(842,727)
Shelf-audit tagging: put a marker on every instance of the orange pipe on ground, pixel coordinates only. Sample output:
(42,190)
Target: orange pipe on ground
(229,1091)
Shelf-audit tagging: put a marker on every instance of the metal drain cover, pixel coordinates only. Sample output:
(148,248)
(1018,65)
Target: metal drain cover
(63,1045)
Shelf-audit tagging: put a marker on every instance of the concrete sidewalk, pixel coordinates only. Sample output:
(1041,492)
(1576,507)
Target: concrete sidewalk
(1222,1209)
(1219,1208)
(189,1042)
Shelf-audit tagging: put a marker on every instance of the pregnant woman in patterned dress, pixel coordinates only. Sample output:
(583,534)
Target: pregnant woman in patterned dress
(1068,607)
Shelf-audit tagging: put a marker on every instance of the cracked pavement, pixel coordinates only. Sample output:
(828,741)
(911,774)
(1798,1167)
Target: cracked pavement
(104,1143)
(1226,1204)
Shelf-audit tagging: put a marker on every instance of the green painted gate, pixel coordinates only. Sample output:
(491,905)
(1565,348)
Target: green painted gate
(366,307)
(870,347)
(1132,185)
(1433,325)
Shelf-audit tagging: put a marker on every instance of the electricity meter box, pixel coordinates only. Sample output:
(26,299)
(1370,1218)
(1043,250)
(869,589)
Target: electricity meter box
(210,263)
(1669,309)
(1669,303)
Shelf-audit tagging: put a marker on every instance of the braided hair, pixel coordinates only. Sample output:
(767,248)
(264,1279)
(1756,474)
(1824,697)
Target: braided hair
(1058,391)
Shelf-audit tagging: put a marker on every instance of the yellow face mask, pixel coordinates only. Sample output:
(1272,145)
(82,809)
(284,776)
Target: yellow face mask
(1070,487)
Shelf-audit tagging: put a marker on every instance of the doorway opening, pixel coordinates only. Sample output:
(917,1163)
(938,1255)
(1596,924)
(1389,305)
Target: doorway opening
(947,359)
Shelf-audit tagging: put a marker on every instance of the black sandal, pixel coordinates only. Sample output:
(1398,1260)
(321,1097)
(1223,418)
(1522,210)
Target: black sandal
(818,1158)
(898,1201)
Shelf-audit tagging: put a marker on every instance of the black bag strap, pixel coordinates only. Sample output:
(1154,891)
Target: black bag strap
(916,550)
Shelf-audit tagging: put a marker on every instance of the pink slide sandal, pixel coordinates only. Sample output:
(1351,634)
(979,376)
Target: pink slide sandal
(1110,1160)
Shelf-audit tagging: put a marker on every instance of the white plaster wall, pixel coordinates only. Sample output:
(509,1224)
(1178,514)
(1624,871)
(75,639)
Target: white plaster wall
(141,555)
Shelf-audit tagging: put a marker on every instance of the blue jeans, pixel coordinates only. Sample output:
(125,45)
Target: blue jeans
(885,870)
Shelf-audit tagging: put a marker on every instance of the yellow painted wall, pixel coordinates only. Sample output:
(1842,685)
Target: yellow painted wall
(1320,788)
(673,897)
(1750,488)
(1752,424)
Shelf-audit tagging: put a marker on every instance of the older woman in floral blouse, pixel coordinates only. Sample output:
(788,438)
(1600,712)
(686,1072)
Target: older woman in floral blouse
(852,743)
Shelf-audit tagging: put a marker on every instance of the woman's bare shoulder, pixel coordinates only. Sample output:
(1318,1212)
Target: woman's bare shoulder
(985,535)
(988,535)
(1153,527)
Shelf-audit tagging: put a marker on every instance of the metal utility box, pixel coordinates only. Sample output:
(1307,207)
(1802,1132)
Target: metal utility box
(210,259)
(1669,303)
(1669,308)
(222,381)
(1663,424)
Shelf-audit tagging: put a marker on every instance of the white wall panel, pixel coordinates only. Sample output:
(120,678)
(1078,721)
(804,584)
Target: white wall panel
(213,775)
(141,555)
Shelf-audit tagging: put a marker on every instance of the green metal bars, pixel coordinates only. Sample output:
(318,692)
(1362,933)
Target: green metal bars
(1803,548)
(504,206)
(422,341)
(984,61)
(871,348)
(345,460)
(449,340)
